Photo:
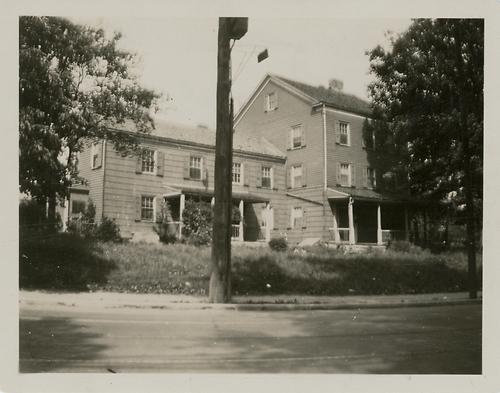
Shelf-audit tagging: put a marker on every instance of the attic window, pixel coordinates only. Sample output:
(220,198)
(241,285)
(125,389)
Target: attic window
(271,101)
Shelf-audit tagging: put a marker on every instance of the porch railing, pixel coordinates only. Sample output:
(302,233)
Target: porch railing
(392,235)
(343,234)
(235,231)
(175,227)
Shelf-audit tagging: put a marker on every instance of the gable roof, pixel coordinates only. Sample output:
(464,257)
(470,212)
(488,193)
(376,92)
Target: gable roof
(311,94)
(176,132)
(334,98)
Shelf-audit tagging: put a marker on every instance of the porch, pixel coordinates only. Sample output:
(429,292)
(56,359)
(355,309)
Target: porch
(252,223)
(367,219)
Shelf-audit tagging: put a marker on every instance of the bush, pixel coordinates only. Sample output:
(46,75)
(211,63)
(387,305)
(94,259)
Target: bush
(108,230)
(404,246)
(197,222)
(278,244)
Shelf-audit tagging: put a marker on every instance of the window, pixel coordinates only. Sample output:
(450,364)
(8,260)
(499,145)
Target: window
(77,207)
(237,173)
(96,155)
(371,181)
(271,102)
(147,208)
(148,161)
(345,175)
(296,217)
(297,176)
(344,137)
(195,167)
(267,177)
(296,137)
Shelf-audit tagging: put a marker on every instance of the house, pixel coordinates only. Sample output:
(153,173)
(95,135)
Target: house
(331,177)
(177,163)
(302,169)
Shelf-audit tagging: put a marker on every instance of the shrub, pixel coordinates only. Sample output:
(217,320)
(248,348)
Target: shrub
(197,222)
(278,244)
(108,230)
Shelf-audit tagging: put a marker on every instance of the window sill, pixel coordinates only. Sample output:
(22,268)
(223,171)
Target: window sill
(343,144)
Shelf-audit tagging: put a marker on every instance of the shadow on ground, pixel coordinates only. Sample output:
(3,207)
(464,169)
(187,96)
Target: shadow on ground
(49,344)
(437,340)
(64,262)
(343,276)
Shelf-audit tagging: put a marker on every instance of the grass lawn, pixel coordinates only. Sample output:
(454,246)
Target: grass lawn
(66,262)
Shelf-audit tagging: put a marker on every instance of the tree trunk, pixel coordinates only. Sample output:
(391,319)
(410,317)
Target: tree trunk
(220,279)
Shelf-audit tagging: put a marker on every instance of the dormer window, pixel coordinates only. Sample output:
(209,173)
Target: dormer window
(271,101)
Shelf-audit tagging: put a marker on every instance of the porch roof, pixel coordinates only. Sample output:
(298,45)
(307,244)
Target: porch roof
(363,194)
(245,196)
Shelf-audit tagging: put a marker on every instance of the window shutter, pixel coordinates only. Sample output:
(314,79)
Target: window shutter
(158,206)
(276,100)
(290,217)
(304,218)
(100,146)
(273,184)
(186,168)
(289,140)
(365,177)
(258,178)
(304,175)
(353,175)
(245,174)
(138,163)
(138,208)
(160,158)
(289,177)
(204,169)
(337,132)
(338,174)
(303,137)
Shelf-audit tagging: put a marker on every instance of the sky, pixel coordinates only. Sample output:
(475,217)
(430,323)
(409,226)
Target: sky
(178,56)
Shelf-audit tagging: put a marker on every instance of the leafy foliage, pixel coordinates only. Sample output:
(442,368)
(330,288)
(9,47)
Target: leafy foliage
(197,222)
(278,244)
(74,83)
(428,102)
(108,231)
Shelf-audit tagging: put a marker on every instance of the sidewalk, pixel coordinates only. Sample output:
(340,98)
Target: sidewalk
(113,300)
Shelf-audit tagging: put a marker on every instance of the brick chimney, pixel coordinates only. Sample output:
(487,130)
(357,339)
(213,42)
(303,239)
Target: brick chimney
(335,84)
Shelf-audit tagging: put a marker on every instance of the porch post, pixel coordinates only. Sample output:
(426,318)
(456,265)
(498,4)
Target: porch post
(242,207)
(379,225)
(336,236)
(407,235)
(65,218)
(351,221)
(182,205)
(268,222)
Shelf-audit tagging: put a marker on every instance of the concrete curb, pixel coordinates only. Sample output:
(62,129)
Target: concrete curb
(115,302)
(348,306)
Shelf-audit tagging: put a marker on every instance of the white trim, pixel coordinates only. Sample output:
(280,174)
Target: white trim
(340,111)
(325,150)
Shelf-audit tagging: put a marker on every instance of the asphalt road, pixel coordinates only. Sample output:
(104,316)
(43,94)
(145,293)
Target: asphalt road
(413,340)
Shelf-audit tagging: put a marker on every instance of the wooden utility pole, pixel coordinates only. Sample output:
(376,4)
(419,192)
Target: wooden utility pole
(220,278)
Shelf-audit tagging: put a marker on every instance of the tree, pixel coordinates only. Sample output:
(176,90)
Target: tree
(428,108)
(74,83)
